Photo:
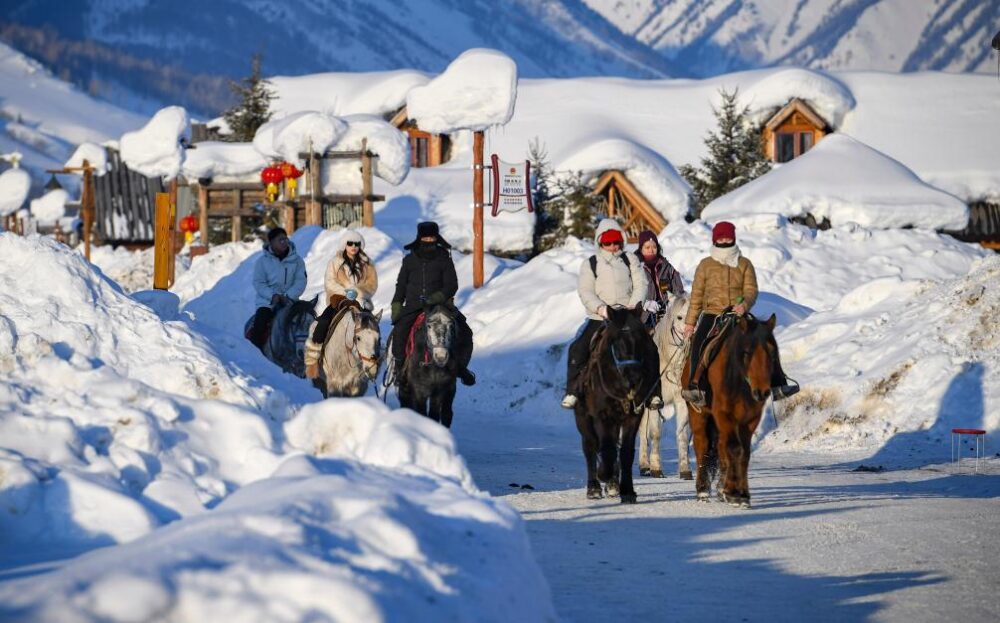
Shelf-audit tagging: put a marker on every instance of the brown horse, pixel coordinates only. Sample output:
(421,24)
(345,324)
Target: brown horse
(739,379)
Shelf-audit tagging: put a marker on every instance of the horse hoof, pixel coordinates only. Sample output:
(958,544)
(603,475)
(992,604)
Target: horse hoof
(745,504)
(703,496)
(629,498)
(611,490)
(686,475)
(644,471)
(656,473)
(594,493)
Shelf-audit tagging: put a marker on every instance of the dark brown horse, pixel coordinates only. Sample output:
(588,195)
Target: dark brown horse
(739,379)
(619,376)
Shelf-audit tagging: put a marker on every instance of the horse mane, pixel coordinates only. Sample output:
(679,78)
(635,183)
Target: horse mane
(756,334)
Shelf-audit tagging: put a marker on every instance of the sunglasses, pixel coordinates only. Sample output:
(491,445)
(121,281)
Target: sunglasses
(351,243)
(614,243)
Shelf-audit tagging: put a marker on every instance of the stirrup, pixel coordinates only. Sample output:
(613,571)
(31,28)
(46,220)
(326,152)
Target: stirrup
(694,396)
(568,401)
(783,391)
(656,403)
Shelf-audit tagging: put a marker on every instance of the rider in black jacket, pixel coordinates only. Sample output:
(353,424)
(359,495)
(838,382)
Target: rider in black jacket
(427,277)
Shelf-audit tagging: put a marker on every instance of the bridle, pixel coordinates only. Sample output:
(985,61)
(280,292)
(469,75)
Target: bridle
(352,349)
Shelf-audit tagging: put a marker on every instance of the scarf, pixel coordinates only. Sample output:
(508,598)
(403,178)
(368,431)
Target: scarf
(729,256)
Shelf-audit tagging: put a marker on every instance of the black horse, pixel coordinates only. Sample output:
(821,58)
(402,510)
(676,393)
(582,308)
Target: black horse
(427,380)
(287,335)
(613,388)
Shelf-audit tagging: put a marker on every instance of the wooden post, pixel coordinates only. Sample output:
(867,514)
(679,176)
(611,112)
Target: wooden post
(236,223)
(288,218)
(477,209)
(87,205)
(313,212)
(173,232)
(203,213)
(162,245)
(367,210)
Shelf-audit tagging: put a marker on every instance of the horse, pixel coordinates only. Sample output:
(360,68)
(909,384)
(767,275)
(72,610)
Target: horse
(351,353)
(427,380)
(285,345)
(619,376)
(739,377)
(669,339)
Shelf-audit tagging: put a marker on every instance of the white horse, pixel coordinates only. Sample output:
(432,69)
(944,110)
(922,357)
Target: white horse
(670,343)
(351,354)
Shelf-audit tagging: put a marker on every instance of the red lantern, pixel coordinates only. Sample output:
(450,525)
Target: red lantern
(271,177)
(291,173)
(189,224)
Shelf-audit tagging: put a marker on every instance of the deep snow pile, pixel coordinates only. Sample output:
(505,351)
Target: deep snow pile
(50,207)
(15,184)
(154,149)
(301,132)
(224,161)
(895,366)
(375,93)
(115,423)
(823,92)
(843,180)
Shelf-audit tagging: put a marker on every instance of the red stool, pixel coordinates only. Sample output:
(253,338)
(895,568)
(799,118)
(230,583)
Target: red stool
(956,445)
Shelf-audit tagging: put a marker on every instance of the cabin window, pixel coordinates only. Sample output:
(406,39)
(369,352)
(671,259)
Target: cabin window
(784,146)
(419,146)
(805,142)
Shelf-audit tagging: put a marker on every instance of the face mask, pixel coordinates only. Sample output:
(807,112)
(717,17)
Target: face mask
(726,245)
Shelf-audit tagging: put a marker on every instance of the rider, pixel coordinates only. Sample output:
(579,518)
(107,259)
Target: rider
(661,277)
(350,276)
(278,274)
(607,279)
(725,280)
(427,277)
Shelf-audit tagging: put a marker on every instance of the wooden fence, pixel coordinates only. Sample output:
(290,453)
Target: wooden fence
(125,203)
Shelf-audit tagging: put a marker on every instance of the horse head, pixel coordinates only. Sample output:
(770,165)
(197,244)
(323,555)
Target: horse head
(367,340)
(755,356)
(624,330)
(441,328)
(289,332)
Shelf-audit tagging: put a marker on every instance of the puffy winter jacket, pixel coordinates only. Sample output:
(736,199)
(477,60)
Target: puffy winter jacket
(617,281)
(339,278)
(420,277)
(718,286)
(273,275)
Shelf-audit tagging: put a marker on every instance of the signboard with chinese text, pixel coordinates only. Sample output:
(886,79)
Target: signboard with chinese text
(511,186)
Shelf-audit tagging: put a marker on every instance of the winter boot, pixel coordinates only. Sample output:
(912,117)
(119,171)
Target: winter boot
(312,352)
(568,401)
(695,396)
(467,377)
(783,391)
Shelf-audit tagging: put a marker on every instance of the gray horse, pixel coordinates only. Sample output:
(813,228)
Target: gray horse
(285,345)
(427,380)
(673,350)
(351,354)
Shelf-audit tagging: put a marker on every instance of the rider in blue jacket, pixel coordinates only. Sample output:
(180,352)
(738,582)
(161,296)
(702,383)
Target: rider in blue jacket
(279,273)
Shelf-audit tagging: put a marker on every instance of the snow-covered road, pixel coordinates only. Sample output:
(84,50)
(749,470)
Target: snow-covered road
(821,543)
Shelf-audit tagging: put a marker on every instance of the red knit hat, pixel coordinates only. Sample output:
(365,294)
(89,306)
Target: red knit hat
(612,235)
(723,229)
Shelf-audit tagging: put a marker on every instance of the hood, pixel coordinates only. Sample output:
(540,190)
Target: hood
(607,224)
(350,236)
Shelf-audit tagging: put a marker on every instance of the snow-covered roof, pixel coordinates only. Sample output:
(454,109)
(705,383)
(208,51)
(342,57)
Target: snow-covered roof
(155,149)
(829,97)
(305,131)
(476,91)
(391,145)
(374,93)
(845,181)
(95,155)
(649,172)
(215,159)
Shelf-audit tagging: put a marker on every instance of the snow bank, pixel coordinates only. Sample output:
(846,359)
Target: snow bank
(476,91)
(95,155)
(155,149)
(50,207)
(223,161)
(373,93)
(845,181)
(650,172)
(301,132)
(824,93)
(894,366)
(15,184)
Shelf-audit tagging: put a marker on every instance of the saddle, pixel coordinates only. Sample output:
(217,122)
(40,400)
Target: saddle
(412,337)
(714,340)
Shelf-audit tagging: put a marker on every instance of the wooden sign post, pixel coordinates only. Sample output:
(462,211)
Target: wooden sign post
(367,209)
(163,247)
(477,209)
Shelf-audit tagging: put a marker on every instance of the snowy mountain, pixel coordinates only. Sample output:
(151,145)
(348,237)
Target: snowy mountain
(139,53)
(707,37)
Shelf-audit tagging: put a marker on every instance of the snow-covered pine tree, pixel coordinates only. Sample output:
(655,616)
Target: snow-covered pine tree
(254,108)
(735,155)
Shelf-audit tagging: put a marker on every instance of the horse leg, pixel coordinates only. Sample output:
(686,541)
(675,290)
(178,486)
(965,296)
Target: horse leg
(731,458)
(441,403)
(608,435)
(702,443)
(655,433)
(643,440)
(683,438)
(746,434)
(588,440)
(627,456)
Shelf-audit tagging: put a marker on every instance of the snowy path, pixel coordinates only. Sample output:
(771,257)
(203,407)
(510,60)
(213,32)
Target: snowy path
(822,542)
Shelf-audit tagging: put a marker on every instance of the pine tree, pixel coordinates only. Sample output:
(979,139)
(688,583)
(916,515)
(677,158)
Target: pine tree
(254,109)
(546,223)
(734,156)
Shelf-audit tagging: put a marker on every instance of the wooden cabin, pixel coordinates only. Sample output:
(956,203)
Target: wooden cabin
(792,131)
(626,204)
(124,201)
(426,149)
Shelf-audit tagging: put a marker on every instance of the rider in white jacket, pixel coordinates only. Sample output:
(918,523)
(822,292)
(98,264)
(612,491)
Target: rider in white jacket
(609,278)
